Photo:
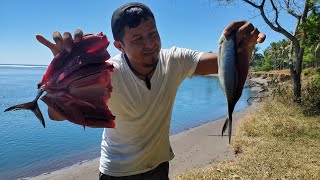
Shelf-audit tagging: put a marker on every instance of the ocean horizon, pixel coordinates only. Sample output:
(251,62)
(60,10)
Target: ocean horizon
(28,149)
(24,65)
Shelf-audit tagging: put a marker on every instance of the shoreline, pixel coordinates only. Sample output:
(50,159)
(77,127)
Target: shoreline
(193,148)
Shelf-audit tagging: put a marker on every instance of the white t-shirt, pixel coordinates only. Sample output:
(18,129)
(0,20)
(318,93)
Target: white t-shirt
(140,140)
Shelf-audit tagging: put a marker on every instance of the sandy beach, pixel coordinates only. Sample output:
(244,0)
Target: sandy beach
(193,148)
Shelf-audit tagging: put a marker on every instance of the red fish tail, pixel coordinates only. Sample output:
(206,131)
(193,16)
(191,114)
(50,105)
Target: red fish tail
(33,106)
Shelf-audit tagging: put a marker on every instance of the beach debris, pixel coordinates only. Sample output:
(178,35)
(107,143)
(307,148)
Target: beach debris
(231,78)
(259,89)
(78,84)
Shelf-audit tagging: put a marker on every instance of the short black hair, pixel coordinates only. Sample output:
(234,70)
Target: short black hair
(129,14)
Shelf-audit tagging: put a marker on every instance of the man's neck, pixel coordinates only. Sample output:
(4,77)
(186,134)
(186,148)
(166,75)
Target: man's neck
(146,77)
(140,70)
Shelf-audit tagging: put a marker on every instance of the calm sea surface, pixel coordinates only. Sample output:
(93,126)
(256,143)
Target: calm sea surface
(27,149)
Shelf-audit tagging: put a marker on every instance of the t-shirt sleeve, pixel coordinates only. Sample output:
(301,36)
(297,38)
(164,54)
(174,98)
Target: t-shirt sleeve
(184,61)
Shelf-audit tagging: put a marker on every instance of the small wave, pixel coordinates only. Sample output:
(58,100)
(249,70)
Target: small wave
(23,66)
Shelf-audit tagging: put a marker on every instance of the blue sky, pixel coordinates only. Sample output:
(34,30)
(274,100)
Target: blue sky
(195,24)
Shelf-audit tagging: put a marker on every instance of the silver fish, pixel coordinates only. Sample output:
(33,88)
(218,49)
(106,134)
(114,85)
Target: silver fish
(231,78)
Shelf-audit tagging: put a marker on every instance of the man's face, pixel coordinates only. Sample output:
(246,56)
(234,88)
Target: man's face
(142,44)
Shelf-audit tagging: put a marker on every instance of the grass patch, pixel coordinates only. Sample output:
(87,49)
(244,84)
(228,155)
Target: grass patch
(310,94)
(276,141)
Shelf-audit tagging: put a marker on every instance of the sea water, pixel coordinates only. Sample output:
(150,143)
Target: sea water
(27,149)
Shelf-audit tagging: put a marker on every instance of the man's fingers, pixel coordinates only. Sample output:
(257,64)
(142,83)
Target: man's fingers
(251,39)
(58,39)
(261,38)
(50,45)
(246,45)
(247,36)
(257,37)
(67,41)
(244,32)
(233,26)
(78,34)
(255,33)
(62,42)
(45,41)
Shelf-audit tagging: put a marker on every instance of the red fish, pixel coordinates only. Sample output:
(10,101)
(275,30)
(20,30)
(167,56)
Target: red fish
(78,84)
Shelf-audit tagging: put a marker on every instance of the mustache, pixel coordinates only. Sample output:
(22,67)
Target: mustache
(151,50)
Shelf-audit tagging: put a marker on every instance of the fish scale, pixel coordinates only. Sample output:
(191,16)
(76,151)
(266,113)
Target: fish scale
(228,76)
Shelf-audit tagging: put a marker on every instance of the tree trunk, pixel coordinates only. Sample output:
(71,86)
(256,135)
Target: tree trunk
(297,87)
(296,73)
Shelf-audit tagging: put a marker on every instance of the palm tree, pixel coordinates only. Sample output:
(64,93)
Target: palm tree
(256,56)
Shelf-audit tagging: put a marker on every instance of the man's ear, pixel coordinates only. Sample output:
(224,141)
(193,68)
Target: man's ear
(119,46)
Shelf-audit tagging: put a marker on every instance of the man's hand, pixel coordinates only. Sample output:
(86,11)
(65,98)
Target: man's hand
(61,42)
(247,37)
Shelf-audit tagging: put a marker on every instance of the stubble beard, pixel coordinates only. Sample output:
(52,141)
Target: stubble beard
(153,64)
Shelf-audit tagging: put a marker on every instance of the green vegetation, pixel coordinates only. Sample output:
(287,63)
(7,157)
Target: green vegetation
(304,41)
(306,72)
(310,99)
(275,57)
(279,139)
(312,44)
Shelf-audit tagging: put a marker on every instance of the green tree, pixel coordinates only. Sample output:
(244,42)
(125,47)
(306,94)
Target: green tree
(312,44)
(256,57)
(278,53)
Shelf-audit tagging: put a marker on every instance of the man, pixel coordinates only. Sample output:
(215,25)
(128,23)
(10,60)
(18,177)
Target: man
(145,83)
